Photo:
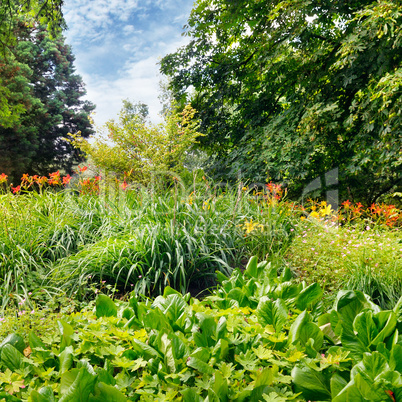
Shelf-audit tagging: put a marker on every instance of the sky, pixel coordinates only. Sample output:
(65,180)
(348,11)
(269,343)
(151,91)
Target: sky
(117,45)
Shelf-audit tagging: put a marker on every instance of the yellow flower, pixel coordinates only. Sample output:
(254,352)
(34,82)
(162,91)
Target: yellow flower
(315,214)
(250,226)
(325,211)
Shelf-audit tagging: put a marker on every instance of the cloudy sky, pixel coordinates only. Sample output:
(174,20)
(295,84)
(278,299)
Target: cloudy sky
(118,43)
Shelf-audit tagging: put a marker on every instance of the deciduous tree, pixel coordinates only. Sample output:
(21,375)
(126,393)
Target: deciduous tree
(292,89)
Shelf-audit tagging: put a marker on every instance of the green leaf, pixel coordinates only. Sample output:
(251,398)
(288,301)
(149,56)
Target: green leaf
(337,383)
(372,365)
(11,357)
(386,322)
(395,361)
(197,364)
(76,385)
(45,394)
(302,330)
(190,395)
(105,307)
(66,359)
(365,327)
(350,393)
(15,340)
(272,313)
(35,342)
(107,393)
(66,331)
(308,296)
(264,379)
(311,383)
(220,387)
(350,303)
(252,268)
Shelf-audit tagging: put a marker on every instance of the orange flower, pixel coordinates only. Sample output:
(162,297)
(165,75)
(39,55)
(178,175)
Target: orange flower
(3,178)
(66,179)
(83,169)
(16,190)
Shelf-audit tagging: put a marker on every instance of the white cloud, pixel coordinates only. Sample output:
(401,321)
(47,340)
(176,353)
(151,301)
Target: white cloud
(118,44)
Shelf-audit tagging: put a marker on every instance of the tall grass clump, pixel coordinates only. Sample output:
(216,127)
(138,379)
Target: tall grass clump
(137,239)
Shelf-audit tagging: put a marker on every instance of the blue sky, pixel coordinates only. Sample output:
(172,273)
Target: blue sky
(117,45)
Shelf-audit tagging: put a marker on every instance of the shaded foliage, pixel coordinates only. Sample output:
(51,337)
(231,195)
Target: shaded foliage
(293,89)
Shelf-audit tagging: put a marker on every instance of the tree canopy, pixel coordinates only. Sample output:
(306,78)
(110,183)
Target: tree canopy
(293,89)
(134,148)
(40,86)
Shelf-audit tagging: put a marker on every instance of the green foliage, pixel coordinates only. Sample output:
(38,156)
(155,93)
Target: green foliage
(295,89)
(140,151)
(44,93)
(259,347)
(52,243)
(349,258)
(13,90)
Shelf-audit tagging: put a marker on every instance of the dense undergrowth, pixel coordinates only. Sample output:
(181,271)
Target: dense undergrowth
(266,332)
(259,336)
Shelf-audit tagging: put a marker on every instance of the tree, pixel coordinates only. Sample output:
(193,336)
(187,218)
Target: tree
(45,12)
(292,89)
(136,148)
(43,84)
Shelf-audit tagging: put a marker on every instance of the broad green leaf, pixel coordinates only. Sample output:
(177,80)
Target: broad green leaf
(170,291)
(66,331)
(252,267)
(14,339)
(398,309)
(372,365)
(350,303)
(45,394)
(66,359)
(221,328)
(106,393)
(221,349)
(337,384)
(76,385)
(308,296)
(220,386)
(190,395)
(264,379)
(302,330)
(395,361)
(239,296)
(173,307)
(311,383)
(272,313)
(145,350)
(105,307)
(35,342)
(11,357)
(179,348)
(350,393)
(386,324)
(365,327)
(197,364)
(352,344)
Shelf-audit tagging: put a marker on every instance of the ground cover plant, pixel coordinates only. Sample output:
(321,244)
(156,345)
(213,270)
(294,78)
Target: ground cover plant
(363,254)
(260,336)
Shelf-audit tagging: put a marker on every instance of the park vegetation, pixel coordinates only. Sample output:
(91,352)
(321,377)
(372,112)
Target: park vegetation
(202,259)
